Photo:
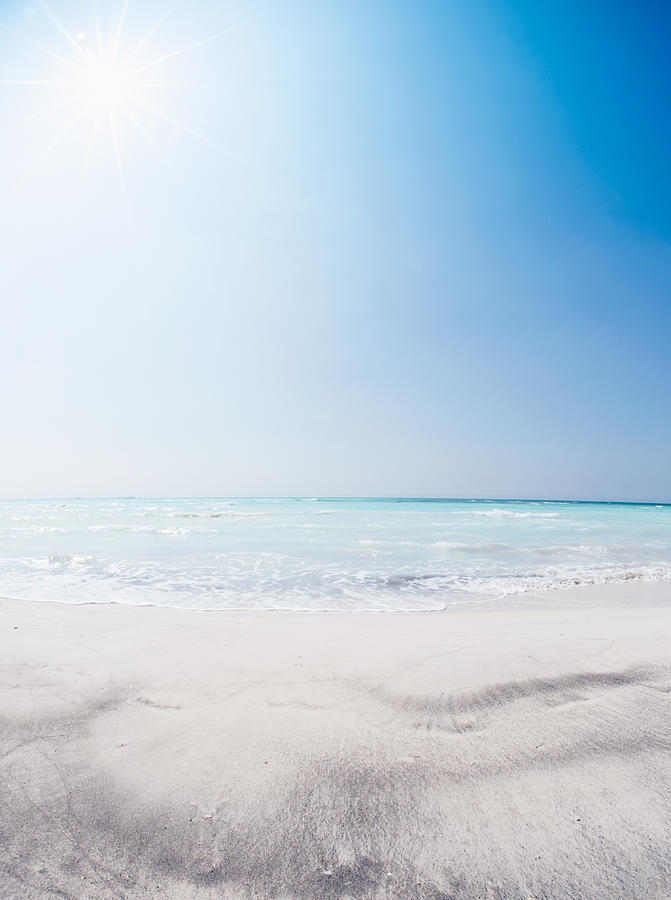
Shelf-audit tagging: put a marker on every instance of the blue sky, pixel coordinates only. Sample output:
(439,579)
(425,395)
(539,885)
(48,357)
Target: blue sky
(423,251)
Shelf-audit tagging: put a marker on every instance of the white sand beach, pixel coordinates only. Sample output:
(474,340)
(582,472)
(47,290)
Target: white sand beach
(151,752)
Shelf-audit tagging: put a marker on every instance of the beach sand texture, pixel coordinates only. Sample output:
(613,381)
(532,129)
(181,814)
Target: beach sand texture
(163,753)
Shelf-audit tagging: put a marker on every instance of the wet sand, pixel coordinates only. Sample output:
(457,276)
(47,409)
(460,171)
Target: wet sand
(519,753)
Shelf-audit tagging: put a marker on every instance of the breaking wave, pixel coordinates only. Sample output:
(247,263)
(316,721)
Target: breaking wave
(512,514)
(333,555)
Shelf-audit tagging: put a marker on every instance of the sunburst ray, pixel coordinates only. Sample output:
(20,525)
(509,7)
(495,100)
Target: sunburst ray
(156,111)
(152,31)
(175,53)
(46,50)
(117,37)
(61,27)
(41,83)
(114,131)
(143,131)
(56,141)
(169,84)
(195,44)
(100,43)
(51,107)
(93,136)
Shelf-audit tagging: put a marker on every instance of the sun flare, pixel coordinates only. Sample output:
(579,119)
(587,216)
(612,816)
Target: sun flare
(106,83)
(104,86)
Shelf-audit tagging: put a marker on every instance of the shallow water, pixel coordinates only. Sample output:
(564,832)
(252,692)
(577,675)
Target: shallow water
(330,554)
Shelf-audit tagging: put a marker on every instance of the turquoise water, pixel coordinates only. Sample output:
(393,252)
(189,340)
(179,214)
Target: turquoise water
(322,553)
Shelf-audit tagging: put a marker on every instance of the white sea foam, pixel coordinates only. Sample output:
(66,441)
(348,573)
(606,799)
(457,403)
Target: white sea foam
(356,555)
(146,529)
(473,548)
(512,514)
(392,545)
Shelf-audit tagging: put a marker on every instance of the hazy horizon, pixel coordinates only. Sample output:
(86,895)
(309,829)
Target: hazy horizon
(341,497)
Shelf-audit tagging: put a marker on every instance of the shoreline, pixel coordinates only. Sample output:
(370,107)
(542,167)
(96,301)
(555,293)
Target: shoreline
(653,593)
(155,752)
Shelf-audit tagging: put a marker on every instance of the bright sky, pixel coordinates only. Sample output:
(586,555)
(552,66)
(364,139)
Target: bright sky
(342,248)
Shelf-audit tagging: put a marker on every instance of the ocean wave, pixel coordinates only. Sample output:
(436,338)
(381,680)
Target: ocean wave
(276,554)
(374,542)
(511,514)
(22,530)
(223,514)
(474,548)
(274,581)
(144,529)
(587,578)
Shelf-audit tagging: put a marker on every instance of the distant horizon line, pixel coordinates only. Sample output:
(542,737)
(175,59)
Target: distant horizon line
(338,498)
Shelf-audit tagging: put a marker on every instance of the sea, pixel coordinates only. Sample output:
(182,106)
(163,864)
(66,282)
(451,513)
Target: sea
(323,553)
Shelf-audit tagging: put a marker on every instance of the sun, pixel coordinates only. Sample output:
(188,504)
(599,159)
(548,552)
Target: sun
(106,84)
(103,87)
